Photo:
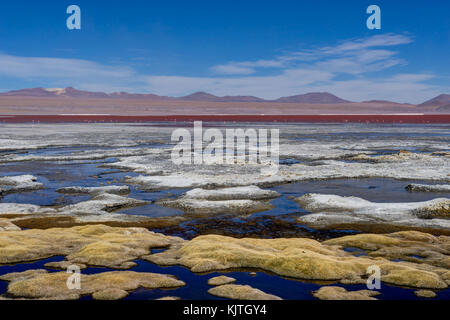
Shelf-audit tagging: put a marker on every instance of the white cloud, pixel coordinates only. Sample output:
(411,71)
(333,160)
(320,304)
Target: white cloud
(351,56)
(35,67)
(385,40)
(245,67)
(232,69)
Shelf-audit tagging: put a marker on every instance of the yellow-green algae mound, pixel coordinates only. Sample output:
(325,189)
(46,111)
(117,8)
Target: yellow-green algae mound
(240,292)
(338,293)
(417,250)
(425,294)
(38,284)
(412,246)
(220,280)
(309,259)
(95,245)
(421,260)
(168,298)
(110,294)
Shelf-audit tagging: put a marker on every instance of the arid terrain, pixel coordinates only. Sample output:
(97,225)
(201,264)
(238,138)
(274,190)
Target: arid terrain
(39,101)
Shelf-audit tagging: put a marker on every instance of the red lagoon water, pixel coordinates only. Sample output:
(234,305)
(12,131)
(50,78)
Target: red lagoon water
(337,118)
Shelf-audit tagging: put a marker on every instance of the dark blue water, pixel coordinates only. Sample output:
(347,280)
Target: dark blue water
(357,252)
(5,269)
(153,210)
(197,288)
(372,189)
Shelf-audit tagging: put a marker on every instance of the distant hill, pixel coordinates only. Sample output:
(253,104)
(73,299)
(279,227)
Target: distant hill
(32,92)
(315,101)
(199,96)
(240,99)
(314,98)
(204,96)
(311,98)
(142,96)
(74,93)
(441,100)
(42,92)
(79,94)
(58,101)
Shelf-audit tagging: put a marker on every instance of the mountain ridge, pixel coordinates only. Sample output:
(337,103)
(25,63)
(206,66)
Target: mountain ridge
(70,92)
(442,100)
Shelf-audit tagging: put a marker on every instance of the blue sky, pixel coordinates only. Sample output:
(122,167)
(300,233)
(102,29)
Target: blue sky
(263,48)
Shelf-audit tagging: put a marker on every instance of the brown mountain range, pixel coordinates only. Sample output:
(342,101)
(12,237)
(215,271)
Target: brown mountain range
(314,98)
(308,98)
(70,101)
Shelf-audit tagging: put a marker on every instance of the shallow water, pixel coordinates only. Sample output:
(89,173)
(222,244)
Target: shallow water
(374,189)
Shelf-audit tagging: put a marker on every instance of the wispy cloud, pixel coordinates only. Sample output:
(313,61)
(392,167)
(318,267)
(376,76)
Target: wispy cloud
(35,67)
(232,68)
(351,69)
(351,56)
(312,70)
(246,67)
(385,40)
